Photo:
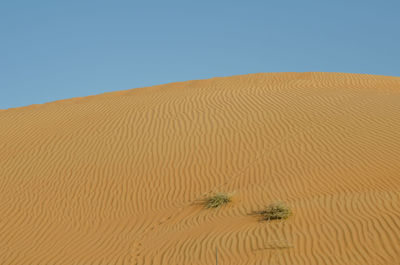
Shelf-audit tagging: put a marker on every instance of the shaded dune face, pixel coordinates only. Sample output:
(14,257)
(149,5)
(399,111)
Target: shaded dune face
(114,178)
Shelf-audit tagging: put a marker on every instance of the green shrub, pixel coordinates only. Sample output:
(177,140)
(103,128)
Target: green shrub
(276,210)
(217,200)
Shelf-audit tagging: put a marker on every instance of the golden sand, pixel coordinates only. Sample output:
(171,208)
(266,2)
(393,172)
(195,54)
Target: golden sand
(114,178)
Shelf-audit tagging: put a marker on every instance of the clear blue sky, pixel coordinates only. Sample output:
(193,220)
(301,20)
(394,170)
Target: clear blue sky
(52,50)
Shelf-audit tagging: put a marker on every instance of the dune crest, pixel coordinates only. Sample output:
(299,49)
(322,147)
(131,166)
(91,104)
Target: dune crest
(113,178)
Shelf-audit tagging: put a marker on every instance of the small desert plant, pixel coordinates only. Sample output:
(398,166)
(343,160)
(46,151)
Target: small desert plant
(276,210)
(217,200)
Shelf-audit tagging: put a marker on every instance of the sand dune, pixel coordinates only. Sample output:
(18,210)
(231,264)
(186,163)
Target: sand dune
(113,178)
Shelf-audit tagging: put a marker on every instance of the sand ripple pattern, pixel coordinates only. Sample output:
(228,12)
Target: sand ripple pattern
(113,178)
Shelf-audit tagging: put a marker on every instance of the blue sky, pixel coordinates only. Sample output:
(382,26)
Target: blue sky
(52,50)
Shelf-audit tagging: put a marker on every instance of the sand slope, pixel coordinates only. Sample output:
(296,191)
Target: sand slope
(113,178)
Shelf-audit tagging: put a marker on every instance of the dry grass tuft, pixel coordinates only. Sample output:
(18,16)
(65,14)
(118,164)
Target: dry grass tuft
(276,210)
(217,200)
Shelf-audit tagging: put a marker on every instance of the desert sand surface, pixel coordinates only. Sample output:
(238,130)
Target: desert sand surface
(116,178)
